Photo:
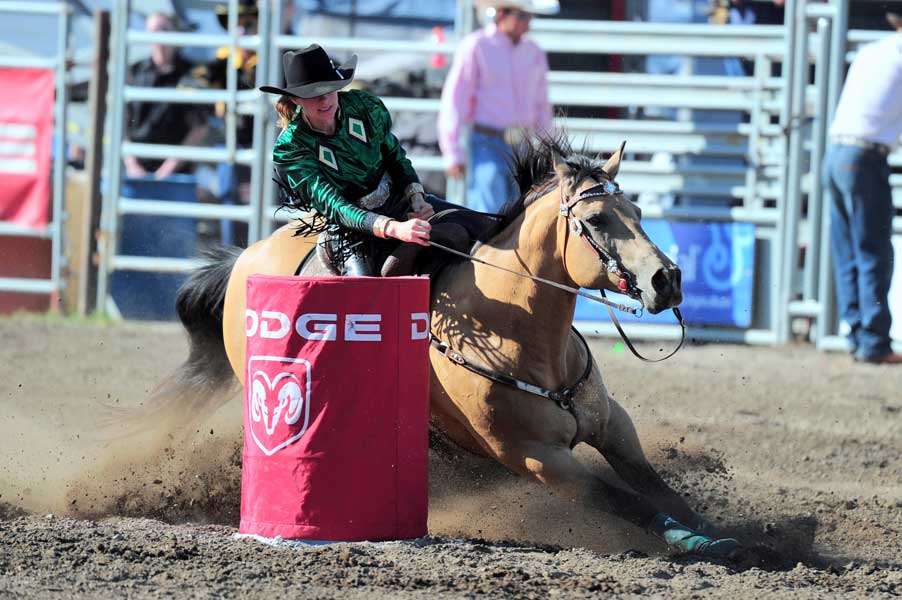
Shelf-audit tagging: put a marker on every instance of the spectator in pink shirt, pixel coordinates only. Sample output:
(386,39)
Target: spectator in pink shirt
(498,87)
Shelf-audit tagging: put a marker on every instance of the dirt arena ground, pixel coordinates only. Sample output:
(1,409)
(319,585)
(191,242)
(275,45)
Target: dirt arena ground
(798,453)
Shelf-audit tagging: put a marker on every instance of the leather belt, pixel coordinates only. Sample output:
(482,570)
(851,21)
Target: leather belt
(511,135)
(851,140)
(486,130)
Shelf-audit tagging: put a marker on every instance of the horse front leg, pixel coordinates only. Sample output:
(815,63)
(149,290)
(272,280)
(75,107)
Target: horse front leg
(620,446)
(556,466)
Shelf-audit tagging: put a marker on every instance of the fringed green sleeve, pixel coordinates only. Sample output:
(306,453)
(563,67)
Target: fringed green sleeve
(302,174)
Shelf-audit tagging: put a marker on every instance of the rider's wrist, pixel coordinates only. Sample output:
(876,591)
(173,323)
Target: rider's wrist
(383,226)
(413,188)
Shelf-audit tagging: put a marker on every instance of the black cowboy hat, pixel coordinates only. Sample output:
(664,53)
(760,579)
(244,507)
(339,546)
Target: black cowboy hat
(245,7)
(310,73)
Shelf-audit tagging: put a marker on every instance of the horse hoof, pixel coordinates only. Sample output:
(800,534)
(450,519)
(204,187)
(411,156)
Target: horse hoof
(724,548)
(690,541)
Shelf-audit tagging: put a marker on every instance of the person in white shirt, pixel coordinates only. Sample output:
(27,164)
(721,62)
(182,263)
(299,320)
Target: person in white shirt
(867,124)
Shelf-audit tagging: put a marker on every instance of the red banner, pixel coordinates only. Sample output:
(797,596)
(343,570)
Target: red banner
(336,408)
(26,130)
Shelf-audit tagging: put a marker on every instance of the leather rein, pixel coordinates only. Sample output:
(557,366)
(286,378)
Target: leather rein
(564,397)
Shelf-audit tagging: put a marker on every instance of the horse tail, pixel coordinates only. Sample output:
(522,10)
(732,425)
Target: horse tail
(199,304)
(204,382)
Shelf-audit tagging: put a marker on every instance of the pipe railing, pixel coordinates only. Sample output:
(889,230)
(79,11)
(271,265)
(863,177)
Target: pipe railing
(766,191)
(760,95)
(236,103)
(54,229)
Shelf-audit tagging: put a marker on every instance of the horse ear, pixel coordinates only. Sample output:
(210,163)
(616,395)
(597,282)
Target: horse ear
(612,166)
(560,165)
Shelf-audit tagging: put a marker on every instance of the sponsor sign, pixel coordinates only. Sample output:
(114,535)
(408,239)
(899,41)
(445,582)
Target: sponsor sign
(718,264)
(336,408)
(278,397)
(26,126)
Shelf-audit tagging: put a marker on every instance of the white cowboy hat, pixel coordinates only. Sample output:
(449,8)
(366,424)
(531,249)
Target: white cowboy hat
(536,7)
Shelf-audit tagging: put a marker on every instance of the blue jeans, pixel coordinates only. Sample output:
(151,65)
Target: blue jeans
(490,181)
(857,181)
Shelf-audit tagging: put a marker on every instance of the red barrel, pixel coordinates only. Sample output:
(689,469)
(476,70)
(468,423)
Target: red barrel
(336,408)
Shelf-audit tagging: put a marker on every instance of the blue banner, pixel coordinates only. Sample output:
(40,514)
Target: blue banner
(717,261)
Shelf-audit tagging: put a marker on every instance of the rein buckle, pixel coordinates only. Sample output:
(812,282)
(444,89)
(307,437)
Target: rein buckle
(456,357)
(565,210)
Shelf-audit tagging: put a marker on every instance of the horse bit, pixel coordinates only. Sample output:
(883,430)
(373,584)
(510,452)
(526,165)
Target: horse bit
(627,285)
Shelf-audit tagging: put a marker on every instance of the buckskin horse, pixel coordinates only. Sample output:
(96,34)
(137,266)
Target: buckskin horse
(511,378)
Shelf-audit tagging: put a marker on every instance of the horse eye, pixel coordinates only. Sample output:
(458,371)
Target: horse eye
(596,220)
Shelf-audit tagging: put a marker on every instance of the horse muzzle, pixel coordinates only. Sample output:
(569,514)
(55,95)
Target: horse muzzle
(667,292)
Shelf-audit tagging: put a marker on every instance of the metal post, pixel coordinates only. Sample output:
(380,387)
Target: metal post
(788,66)
(97,97)
(59,165)
(777,313)
(231,121)
(261,120)
(838,54)
(793,192)
(463,20)
(827,321)
(762,71)
(107,242)
(818,139)
(273,71)
(455,189)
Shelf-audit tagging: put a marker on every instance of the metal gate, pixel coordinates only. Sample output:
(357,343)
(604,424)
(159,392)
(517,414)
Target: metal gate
(820,40)
(54,229)
(775,153)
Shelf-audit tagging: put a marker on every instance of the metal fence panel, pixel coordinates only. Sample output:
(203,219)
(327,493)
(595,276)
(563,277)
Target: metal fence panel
(777,147)
(54,229)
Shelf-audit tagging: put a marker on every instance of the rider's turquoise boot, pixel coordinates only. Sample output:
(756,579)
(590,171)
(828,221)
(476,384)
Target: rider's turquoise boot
(689,541)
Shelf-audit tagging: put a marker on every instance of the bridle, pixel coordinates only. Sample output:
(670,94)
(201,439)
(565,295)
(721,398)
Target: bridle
(605,189)
(627,284)
(627,280)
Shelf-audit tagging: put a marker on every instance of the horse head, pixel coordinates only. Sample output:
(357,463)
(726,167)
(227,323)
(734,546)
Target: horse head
(604,245)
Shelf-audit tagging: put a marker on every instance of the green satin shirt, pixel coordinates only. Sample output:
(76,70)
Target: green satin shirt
(330,172)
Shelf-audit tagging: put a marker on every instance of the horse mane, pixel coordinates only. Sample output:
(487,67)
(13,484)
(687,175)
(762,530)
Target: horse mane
(533,169)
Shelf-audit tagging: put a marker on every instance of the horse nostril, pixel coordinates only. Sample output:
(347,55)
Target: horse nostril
(667,283)
(661,281)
